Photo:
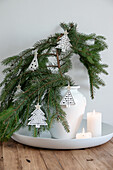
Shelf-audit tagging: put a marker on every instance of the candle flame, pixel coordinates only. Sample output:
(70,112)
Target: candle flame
(83,130)
(93,111)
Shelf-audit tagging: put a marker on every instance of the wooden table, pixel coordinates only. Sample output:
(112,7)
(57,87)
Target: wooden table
(15,156)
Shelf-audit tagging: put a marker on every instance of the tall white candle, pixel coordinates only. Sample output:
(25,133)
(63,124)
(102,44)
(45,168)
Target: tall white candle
(94,123)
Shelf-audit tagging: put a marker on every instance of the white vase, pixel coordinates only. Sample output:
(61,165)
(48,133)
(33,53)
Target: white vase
(74,115)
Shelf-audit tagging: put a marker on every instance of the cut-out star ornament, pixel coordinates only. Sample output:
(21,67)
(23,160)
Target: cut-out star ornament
(37,106)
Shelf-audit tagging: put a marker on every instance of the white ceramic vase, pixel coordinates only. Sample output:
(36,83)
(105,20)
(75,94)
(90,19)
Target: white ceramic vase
(74,115)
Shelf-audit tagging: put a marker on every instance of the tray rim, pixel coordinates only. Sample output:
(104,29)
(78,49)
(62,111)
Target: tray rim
(52,143)
(68,146)
(54,139)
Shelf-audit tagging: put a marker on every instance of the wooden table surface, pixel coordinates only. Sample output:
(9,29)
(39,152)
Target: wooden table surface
(15,156)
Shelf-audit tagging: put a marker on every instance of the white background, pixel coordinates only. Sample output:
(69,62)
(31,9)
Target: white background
(23,22)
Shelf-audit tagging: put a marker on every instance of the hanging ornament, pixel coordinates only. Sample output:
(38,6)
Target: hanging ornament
(37,117)
(34,64)
(64,43)
(19,90)
(68,98)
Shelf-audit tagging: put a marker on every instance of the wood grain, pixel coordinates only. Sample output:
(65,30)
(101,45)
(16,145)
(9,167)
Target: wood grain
(108,147)
(67,160)
(10,156)
(1,157)
(30,158)
(15,156)
(88,159)
(103,156)
(51,160)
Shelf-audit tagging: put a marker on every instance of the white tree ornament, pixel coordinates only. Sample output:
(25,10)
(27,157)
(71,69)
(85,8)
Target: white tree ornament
(34,64)
(67,99)
(19,90)
(37,117)
(64,43)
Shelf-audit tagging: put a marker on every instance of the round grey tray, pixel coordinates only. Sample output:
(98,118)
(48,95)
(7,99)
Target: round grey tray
(46,141)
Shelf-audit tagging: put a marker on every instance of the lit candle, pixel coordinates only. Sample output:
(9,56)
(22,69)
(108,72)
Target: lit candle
(94,123)
(83,135)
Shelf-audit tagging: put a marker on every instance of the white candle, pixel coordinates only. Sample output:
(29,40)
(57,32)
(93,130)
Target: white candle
(83,135)
(94,123)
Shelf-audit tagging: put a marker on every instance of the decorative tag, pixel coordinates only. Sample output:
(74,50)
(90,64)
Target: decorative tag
(37,117)
(34,64)
(19,90)
(64,43)
(68,99)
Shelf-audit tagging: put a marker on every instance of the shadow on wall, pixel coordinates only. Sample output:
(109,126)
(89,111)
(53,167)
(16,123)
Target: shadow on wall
(79,73)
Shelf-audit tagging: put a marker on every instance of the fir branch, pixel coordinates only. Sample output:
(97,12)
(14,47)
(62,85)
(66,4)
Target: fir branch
(58,62)
(45,84)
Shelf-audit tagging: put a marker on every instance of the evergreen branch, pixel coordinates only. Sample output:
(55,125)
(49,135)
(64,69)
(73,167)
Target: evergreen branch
(15,110)
(48,103)
(52,66)
(58,62)
(47,54)
(44,83)
(4,131)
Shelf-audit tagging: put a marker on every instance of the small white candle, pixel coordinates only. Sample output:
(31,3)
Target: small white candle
(94,123)
(83,135)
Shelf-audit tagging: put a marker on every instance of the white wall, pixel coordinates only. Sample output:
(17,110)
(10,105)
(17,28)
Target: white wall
(23,22)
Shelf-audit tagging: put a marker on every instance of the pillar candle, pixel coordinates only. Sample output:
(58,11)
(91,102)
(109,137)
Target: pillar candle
(83,135)
(94,123)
